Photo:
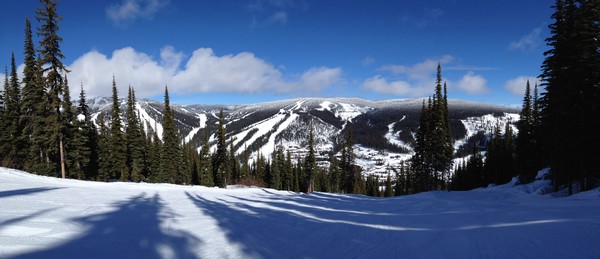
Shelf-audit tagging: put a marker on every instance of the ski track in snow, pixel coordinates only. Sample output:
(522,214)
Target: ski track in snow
(203,119)
(268,149)
(263,127)
(156,127)
(392,136)
(43,217)
(487,123)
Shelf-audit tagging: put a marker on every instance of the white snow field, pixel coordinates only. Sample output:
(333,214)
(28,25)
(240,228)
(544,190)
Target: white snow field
(42,217)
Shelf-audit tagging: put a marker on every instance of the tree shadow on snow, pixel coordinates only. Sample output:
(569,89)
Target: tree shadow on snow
(280,230)
(133,229)
(334,226)
(4,194)
(24,218)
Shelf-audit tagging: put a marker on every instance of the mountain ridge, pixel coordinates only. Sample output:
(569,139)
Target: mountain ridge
(383,130)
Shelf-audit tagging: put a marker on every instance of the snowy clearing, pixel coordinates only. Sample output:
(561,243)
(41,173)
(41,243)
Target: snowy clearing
(42,217)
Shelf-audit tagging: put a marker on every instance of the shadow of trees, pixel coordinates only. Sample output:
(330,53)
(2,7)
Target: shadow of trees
(344,226)
(281,230)
(133,229)
(4,194)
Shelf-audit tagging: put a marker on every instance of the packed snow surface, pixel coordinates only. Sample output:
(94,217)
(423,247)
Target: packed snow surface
(43,217)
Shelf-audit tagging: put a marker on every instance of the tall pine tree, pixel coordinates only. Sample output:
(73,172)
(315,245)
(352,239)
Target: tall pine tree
(220,165)
(53,69)
(136,141)
(310,163)
(206,171)
(170,152)
(434,149)
(117,145)
(525,153)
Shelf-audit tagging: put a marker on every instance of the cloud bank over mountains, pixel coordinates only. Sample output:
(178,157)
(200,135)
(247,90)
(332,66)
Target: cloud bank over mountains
(203,72)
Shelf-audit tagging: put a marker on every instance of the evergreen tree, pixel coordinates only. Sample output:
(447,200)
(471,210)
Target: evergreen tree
(334,174)
(245,167)
(135,141)
(524,144)
(170,152)
(442,149)
(32,96)
(267,175)
(302,178)
(420,160)
(288,176)
(104,157)
(571,75)
(12,113)
(234,164)
(89,130)
(275,172)
(80,153)
(499,164)
(117,145)
(154,156)
(400,187)
(67,128)
(220,158)
(310,163)
(53,69)
(389,190)
(184,166)
(350,173)
(206,172)
(470,174)
(4,133)
(321,181)
(434,145)
(261,169)
(195,165)
(34,111)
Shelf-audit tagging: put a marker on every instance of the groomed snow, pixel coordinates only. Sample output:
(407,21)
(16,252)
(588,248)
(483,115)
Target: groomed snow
(202,119)
(393,137)
(43,217)
(145,117)
(487,123)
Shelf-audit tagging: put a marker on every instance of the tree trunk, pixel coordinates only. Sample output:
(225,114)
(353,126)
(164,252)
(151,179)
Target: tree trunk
(62,159)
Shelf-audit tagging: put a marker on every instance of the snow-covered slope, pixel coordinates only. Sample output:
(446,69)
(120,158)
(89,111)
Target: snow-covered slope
(43,217)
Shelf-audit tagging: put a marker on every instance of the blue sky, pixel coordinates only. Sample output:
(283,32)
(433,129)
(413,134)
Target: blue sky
(214,51)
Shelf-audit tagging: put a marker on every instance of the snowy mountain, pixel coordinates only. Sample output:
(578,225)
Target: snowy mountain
(383,131)
(44,217)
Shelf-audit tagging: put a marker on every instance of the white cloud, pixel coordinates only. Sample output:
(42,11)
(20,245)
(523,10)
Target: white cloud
(273,12)
(280,17)
(202,72)
(421,71)
(130,10)
(516,86)
(527,42)
(262,5)
(416,80)
(419,79)
(472,83)
(380,85)
(367,61)
(316,79)
(243,72)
